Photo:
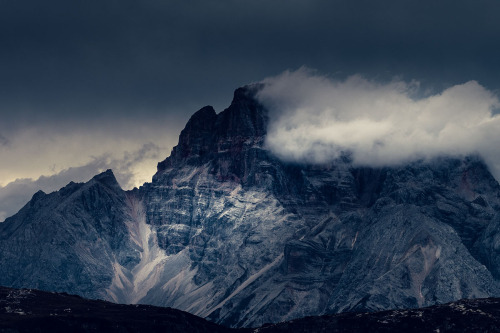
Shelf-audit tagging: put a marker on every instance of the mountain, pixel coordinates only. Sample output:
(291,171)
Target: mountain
(30,310)
(231,233)
(69,240)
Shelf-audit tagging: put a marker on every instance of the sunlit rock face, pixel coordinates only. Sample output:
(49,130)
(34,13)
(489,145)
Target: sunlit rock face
(229,232)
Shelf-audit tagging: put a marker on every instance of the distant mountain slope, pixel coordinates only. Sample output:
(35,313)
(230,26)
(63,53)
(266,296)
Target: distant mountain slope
(229,232)
(69,240)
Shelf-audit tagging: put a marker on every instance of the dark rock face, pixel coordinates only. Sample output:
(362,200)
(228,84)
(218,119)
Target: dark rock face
(228,232)
(28,310)
(272,241)
(479,315)
(68,240)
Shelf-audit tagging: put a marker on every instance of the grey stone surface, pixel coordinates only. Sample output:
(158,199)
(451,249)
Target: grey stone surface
(228,232)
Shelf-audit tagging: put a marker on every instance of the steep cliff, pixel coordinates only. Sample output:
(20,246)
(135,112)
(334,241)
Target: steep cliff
(68,240)
(229,232)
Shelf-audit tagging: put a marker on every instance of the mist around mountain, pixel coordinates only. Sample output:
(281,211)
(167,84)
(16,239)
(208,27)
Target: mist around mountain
(231,233)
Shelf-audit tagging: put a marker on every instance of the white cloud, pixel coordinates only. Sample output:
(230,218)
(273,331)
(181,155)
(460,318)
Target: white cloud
(314,119)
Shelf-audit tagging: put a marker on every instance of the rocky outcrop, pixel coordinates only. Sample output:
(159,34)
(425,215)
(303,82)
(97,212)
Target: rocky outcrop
(265,241)
(229,232)
(68,240)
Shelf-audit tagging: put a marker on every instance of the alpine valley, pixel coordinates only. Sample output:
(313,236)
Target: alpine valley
(229,232)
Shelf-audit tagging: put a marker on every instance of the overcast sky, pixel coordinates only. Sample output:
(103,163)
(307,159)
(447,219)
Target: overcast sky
(86,85)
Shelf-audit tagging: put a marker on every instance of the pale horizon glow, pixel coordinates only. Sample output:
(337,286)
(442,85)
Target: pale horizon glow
(49,157)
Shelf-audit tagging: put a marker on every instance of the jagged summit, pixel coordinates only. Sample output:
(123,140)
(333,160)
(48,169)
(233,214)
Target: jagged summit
(240,126)
(229,232)
(245,117)
(107,178)
(38,195)
(195,140)
(107,174)
(69,239)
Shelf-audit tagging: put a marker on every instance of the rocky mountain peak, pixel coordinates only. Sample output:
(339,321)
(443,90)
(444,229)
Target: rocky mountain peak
(200,118)
(228,231)
(195,139)
(198,125)
(107,178)
(245,117)
(207,134)
(38,195)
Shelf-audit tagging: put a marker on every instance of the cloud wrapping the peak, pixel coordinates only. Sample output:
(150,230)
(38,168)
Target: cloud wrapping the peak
(314,119)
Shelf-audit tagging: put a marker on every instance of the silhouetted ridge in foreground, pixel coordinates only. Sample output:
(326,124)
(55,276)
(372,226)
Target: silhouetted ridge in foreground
(27,310)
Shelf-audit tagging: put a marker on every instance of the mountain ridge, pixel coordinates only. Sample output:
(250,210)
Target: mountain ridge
(229,232)
(28,310)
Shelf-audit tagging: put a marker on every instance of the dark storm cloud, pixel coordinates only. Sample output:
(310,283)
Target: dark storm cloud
(126,57)
(89,78)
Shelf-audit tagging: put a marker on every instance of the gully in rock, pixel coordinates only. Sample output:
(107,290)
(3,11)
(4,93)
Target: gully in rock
(228,231)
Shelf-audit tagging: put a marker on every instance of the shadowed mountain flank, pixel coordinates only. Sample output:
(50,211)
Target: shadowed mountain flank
(229,232)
